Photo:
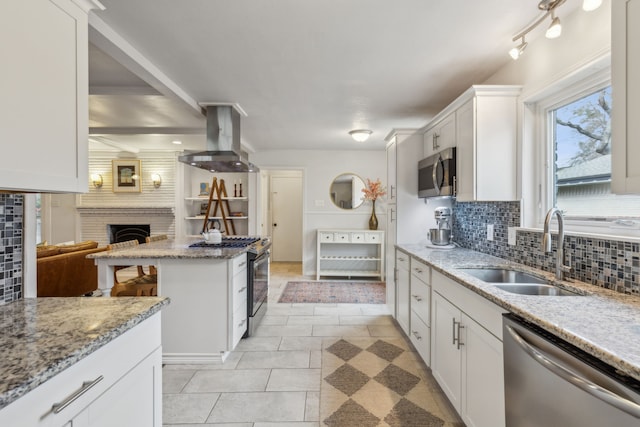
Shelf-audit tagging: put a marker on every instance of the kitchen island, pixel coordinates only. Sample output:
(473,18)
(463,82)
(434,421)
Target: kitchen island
(63,358)
(208,291)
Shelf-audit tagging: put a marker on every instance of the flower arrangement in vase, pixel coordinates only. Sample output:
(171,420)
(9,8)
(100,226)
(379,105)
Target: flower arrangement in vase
(372,191)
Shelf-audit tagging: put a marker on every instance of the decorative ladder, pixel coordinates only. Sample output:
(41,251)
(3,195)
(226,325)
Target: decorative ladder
(218,195)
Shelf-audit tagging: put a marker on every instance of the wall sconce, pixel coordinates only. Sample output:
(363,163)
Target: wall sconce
(96,179)
(156,179)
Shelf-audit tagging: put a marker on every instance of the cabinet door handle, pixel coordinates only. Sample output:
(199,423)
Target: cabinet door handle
(391,216)
(453,331)
(391,188)
(417,335)
(457,327)
(86,386)
(417,297)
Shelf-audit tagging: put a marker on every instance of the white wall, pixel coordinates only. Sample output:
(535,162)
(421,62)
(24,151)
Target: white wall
(585,43)
(319,169)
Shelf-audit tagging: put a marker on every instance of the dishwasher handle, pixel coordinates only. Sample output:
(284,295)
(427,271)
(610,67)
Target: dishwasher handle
(584,384)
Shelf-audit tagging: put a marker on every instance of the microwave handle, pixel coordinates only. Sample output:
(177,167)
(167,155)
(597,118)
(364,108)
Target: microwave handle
(435,174)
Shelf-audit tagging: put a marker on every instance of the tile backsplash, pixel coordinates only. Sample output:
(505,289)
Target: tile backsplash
(612,264)
(11,214)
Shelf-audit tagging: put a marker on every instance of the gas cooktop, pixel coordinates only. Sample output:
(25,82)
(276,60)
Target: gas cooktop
(227,242)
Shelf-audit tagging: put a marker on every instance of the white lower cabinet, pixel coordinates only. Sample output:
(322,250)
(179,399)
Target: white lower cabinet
(420,305)
(119,384)
(466,352)
(402,291)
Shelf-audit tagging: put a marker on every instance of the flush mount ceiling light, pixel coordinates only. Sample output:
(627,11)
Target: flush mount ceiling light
(360,135)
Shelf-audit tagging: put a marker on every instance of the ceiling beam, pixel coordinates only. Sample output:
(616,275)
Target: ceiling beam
(145,131)
(114,45)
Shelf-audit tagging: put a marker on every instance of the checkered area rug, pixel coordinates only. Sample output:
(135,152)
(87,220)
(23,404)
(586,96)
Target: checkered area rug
(350,292)
(370,382)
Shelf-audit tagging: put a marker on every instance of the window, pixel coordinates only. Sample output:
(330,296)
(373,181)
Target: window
(577,159)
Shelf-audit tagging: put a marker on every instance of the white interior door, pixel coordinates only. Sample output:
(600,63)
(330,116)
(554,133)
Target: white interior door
(286,218)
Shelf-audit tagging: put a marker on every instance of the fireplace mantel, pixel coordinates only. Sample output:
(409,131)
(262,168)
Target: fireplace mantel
(138,210)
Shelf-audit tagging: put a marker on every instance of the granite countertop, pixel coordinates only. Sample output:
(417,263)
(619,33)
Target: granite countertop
(173,249)
(40,337)
(602,322)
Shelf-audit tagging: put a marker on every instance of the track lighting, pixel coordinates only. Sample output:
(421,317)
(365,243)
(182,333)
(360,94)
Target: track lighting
(548,7)
(555,29)
(589,5)
(518,50)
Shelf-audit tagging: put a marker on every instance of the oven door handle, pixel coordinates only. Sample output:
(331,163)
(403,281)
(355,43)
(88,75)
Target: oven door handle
(574,378)
(264,257)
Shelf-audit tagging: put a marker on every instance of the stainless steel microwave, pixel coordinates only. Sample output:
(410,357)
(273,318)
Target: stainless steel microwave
(437,174)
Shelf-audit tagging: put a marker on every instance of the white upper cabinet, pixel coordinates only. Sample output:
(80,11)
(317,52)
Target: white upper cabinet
(625,67)
(44,103)
(440,135)
(486,152)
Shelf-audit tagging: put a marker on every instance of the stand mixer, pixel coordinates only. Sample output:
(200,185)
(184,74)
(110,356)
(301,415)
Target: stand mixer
(441,236)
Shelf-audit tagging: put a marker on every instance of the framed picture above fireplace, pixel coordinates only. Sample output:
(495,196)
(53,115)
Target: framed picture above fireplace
(126,176)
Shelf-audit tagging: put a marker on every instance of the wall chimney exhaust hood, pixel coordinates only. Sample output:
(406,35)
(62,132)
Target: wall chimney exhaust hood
(223,152)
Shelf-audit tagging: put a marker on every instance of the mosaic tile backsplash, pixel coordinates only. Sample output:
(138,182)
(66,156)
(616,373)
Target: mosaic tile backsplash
(11,210)
(611,264)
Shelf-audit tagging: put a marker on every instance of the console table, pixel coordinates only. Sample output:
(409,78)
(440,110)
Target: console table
(350,253)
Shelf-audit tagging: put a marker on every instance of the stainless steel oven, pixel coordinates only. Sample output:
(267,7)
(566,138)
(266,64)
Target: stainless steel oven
(259,263)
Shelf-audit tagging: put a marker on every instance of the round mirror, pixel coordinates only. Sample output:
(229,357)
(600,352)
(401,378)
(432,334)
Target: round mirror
(346,191)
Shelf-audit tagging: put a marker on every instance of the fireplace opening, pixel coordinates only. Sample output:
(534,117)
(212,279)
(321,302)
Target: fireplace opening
(123,232)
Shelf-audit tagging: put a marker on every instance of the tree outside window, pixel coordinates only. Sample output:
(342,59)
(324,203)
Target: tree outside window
(582,161)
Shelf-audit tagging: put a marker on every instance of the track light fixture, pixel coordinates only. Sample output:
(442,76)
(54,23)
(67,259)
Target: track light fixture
(548,7)
(518,50)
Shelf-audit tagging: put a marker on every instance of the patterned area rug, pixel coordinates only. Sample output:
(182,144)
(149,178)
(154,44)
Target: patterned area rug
(334,292)
(371,382)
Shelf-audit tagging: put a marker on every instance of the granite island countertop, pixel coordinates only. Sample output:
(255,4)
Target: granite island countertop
(170,249)
(40,337)
(602,322)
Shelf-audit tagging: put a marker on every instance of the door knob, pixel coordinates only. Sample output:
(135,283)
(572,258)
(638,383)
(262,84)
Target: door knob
(275,225)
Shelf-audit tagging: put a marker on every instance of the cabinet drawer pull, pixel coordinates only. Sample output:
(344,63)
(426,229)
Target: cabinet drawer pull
(419,270)
(86,386)
(401,259)
(242,289)
(417,297)
(242,323)
(242,264)
(417,335)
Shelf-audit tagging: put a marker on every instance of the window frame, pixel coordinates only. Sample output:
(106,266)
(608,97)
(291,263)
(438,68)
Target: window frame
(565,91)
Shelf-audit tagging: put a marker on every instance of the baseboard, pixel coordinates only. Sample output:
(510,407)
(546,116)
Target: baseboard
(194,358)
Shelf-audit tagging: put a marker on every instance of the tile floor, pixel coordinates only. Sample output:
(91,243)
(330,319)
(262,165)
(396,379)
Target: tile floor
(273,378)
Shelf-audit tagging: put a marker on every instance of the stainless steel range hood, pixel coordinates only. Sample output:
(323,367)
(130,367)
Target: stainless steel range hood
(223,152)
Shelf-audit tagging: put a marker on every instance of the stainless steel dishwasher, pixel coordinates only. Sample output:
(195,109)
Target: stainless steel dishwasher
(551,383)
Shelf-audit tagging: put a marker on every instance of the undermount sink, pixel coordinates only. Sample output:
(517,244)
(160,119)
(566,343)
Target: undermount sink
(517,282)
(535,289)
(502,275)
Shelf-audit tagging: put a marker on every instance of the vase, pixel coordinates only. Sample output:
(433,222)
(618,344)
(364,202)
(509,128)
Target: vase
(373,221)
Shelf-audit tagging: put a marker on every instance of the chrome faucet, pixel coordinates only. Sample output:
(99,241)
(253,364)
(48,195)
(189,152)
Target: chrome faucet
(561,268)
